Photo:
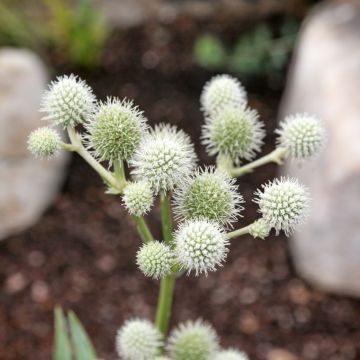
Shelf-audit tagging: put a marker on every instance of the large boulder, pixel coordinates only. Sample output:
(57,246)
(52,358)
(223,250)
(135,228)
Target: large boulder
(27,185)
(325,80)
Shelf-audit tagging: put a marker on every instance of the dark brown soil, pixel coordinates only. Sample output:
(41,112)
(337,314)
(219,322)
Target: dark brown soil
(81,253)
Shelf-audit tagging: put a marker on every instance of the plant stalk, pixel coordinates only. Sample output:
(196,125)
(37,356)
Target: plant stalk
(143,229)
(236,233)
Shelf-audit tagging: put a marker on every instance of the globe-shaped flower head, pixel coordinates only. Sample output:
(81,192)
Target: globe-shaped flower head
(138,339)
(138,197)
(44,142)
(220,92)
(208,194)
(233,132)
(155,259)
(283,204)
(201,246)
(116,130)
(230,354)
(302,135)
(193,341)
(165,156)
(68,102)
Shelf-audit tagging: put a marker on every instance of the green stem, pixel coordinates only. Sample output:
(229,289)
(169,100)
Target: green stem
(167,283)
(143,229)
(119,171)
(236,233)
(276,156)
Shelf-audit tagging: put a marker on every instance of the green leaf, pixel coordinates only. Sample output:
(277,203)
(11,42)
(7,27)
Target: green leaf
(209,52)
(62,348)
(84,350)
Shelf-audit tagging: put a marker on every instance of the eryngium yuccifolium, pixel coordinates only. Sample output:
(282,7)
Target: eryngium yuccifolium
(230,354)
(116,130)
(161,358)
(138,197)
(220,92)
(259,228)
(138,339)
(200,245)
(283,204)
(155,259)
(302,135)
(44,142)
(193,341)
(234,132)
(165,156)
(68,101)
(208,194)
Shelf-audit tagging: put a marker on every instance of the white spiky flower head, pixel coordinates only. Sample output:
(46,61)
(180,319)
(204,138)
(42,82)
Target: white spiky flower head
(260,228)
(302,135)
(165,156)
(200,246)
(230,354)
(234,132)
(44,142)
(283,204)
(220,92)
(138,197)
(155,259)
(208,194)
(138,339)
(193,340)
(68,101)
(116,130)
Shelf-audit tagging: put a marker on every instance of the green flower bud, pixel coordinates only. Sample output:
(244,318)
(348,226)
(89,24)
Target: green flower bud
(260,228)
(44,142)
(138,198)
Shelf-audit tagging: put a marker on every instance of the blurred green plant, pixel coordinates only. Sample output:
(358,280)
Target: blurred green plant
(256,53)
(71,341)
(74,31)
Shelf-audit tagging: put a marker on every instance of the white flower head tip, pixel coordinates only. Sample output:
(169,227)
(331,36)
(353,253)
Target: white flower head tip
(208,194)
(283,204)
(44,142)
(230,354)
(164,157)
(155,259)
(138,339)
(234,132)
(220,92)
(116,130)
(200,246)
(302,135)
(193,340)
(138,198)
(260,228)
(68,101)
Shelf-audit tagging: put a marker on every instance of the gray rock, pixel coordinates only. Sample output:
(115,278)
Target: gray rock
(325,80)
(27,185)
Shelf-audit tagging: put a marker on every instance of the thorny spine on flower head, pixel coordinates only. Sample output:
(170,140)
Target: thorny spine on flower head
(206,201)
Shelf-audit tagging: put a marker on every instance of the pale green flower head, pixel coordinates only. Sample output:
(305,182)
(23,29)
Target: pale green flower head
(138,339)
(138,197)
(165,157)
(233,132)
(193,340)
(161,358)
(208,194)
(116,130)
(68,101)
(283,204)
(302,136)
(220,92)
(200,246)
(230,354)
(260,228)
(155,259)
(44,142)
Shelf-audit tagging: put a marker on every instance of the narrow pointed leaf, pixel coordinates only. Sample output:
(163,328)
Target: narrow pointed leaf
(62,347)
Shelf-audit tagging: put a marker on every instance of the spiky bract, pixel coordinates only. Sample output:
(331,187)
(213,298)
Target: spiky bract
(233,132)
(230,354)
(220,92)
(165,156)
(138,339)
(116,130)
(193,340)
(44,142)
(260,228)
(208,194)
(283,204)
(155,259)
(138,197)
(68,101)
(302,135)
(201,246)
